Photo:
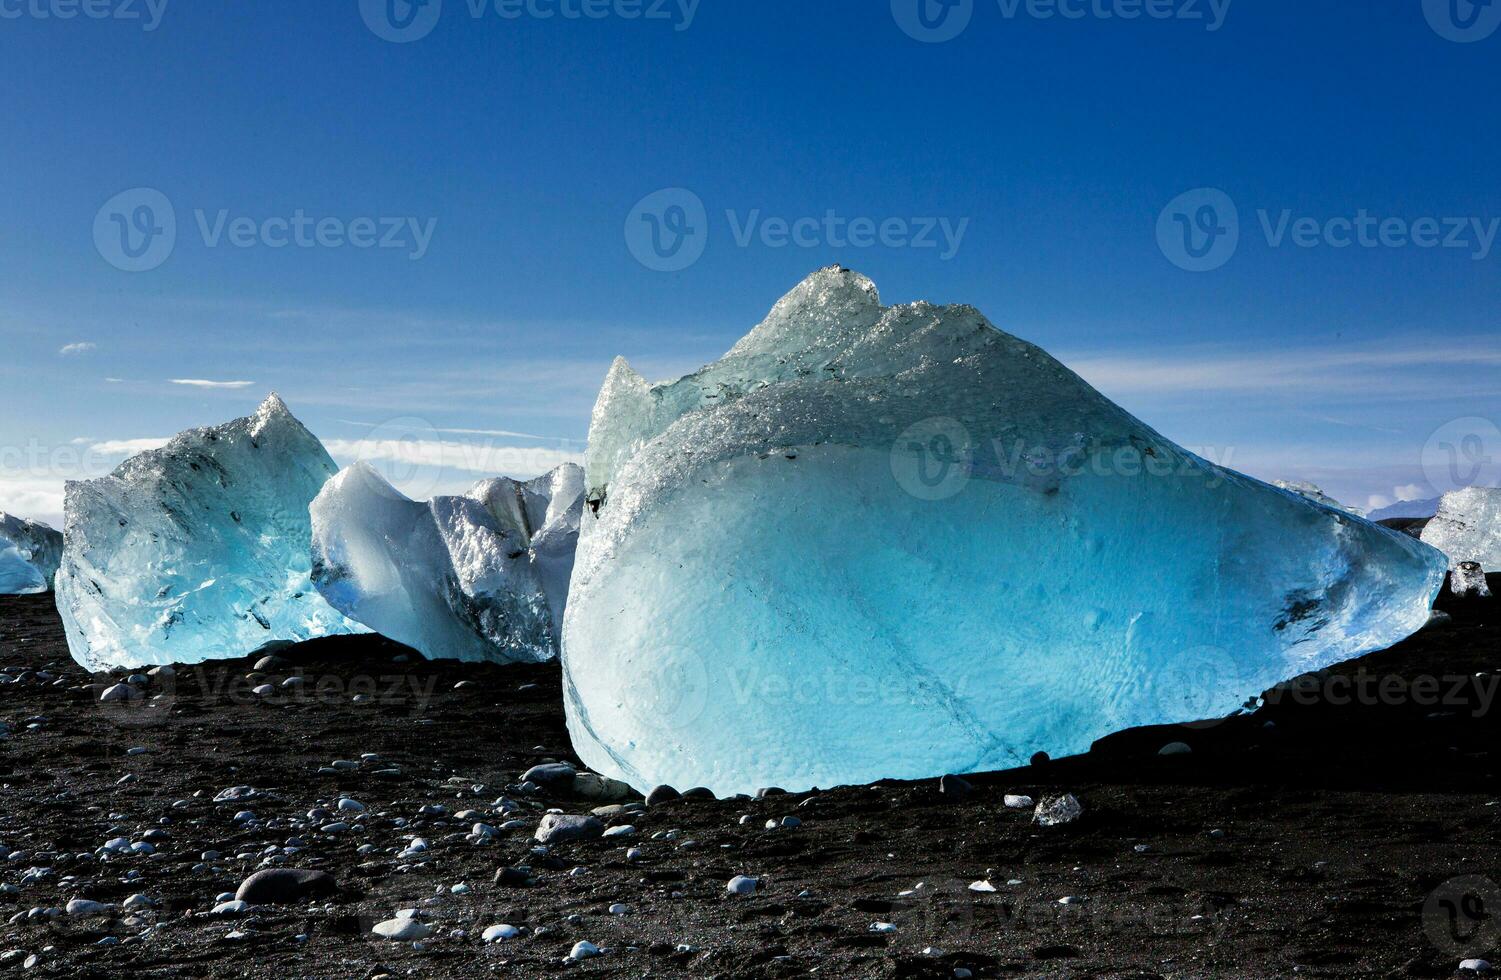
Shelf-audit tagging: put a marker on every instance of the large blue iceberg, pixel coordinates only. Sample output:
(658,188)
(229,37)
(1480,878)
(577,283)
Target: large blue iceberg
(478,577)
(198,550)
(29,554)
(897,542)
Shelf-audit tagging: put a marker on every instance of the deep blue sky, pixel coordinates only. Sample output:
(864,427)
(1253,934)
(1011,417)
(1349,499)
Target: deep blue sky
(529,141)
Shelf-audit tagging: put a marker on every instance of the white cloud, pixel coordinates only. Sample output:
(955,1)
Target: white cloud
(81,347)
(1313,369)
(1412,491)
(468,457)
(199,383)
(126,447)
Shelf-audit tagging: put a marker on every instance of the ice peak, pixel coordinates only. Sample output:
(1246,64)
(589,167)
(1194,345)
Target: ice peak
(273,405)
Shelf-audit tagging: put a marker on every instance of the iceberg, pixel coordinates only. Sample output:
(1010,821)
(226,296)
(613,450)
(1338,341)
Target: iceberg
(198,550)
(1316,494)
(876,542)
(478,577)
(29,553)
(1468,527)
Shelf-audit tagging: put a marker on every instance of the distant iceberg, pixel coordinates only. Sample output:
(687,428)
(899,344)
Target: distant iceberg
(479,577)
(198,550)
(897,542)
(29,554)
(1468,527)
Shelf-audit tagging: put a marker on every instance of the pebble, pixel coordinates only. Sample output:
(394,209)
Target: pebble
(85,907)
(286,886)
(1014,801)
(550,774)
(559,827)
(582,950)
(1475,966)
(742,885)
(500,933)
(402,930)
(955,788)
(662,794)
(120,692)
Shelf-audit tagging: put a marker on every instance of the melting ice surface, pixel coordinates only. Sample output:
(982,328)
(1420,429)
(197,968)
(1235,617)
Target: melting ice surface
(1315,494)
(29,553)
(897,542)
(1468,527)
(478,577)
(198,550)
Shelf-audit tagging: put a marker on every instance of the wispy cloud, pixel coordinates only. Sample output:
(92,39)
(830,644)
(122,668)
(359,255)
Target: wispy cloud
(1404,369)
(468,457)
(200,383)
(80,347)
(127,447)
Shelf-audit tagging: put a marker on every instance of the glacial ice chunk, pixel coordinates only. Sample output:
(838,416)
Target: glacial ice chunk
(479,577)
(198,550)
(877,542)
(1468,527)
(29,553)
(1316,494)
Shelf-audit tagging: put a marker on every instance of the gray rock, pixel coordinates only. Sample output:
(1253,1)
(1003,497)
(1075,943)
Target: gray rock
(550,774)
(559,827)
(286,886)
(402,930)
(662,794)
(592,786)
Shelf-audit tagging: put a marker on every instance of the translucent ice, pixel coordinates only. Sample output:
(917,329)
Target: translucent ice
(198,550)
(896,542)
(1315,494)
(29,553)
(1468,527)
(478,577)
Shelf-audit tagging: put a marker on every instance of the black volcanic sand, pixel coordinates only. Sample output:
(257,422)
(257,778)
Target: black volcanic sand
(1321,835)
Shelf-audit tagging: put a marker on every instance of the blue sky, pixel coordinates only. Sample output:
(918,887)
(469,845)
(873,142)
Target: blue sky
(495,164)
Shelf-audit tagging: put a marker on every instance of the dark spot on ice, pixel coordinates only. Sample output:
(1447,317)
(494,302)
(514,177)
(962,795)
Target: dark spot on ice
(1300,607)
(235,516)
